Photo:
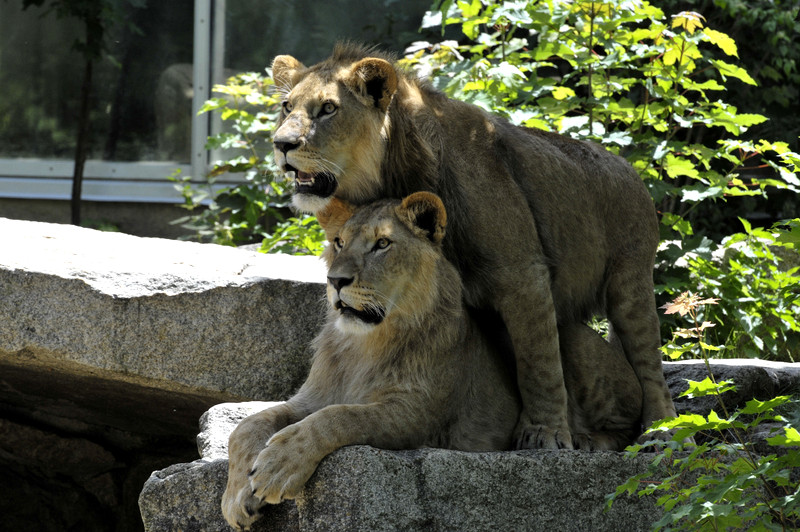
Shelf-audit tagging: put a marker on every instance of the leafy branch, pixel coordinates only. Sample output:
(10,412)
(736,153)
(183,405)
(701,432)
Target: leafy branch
(722,483)
(256,210)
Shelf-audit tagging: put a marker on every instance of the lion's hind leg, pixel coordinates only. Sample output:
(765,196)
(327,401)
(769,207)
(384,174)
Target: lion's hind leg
(604,395)
(631,310)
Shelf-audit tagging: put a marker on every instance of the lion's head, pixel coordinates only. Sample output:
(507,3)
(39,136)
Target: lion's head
(333,125)
(385,261)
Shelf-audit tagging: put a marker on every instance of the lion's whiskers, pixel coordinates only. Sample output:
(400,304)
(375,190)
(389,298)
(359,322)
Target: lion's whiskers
(388,301)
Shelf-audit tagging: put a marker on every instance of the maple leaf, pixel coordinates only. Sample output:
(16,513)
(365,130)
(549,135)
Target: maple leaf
(686,302)
(689,20)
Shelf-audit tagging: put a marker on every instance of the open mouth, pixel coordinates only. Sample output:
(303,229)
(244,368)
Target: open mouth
(371,316)
(323,184)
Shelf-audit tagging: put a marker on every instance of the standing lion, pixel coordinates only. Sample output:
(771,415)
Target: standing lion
(545,231)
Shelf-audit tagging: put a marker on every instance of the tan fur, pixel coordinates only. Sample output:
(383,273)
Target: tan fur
(427,375)
(545,231)
(423,376)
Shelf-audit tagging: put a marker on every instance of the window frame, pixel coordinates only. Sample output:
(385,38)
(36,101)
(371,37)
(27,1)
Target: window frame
(140,181)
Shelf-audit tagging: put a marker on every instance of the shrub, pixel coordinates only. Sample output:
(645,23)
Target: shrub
(257,210)
(756,277)
(724,482)
(646,87)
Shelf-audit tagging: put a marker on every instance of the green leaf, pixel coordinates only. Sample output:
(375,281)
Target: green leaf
(722,40)
(675,352)
(707,387)
(677,166)
(212,105)
(677,223)
(755,406)
(749,119)
(791,438)
(561,93)
(728,70)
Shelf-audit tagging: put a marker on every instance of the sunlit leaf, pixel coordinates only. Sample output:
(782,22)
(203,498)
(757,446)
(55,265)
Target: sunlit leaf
(722,40)
(688,20)
(561,93)
(728,70)
(686,302)
(707,387)
(790,438)
(677,166)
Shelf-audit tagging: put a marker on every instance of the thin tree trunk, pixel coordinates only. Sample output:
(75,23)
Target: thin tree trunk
(82,146)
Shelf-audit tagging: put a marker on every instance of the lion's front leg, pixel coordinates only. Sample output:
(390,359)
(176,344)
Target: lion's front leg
(239,506)
(529,315)
(293,454)
(282,469)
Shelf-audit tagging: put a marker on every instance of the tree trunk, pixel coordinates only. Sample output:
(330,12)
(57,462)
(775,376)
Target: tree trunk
(82,146)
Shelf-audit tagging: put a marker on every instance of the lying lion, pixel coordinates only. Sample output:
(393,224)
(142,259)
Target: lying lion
(400,364)
(545,231)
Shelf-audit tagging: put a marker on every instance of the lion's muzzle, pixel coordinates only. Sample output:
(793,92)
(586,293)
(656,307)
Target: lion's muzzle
(322,184)
(369,315)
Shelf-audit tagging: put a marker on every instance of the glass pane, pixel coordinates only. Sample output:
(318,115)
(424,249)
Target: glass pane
(138,95)
(256,30)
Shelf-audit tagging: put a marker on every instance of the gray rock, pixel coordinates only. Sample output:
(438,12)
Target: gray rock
(186,497)
(217,423)
(435,489)
(759,379)
(361,488)
(124,342)
(173,315)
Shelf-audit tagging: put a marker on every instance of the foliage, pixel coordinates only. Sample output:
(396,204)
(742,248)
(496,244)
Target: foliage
(647,87)
(723,482)
(755,275)
(768,34)
(617,73)
(256,210)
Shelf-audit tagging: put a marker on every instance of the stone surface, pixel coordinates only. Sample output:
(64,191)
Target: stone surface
(164,503)
(217,423)
(362,488)
(112,346)
(157,312)
(757,379)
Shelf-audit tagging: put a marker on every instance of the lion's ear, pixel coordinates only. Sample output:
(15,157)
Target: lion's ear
(334,216)
(286,70)
(424,212)
(375,79)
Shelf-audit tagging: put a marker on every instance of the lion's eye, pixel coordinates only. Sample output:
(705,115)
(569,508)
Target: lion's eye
(381,243)
(328,108)
(287,107)
(338,243)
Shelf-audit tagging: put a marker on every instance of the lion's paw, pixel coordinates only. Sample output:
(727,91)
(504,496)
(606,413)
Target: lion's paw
(239,507)
(283,467)
(533,436)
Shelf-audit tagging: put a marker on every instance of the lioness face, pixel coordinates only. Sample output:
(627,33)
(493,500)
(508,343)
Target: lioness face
(378,264)
(331,133)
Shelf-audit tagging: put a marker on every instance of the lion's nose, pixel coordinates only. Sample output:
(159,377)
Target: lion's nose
(285,146)
(340,282)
